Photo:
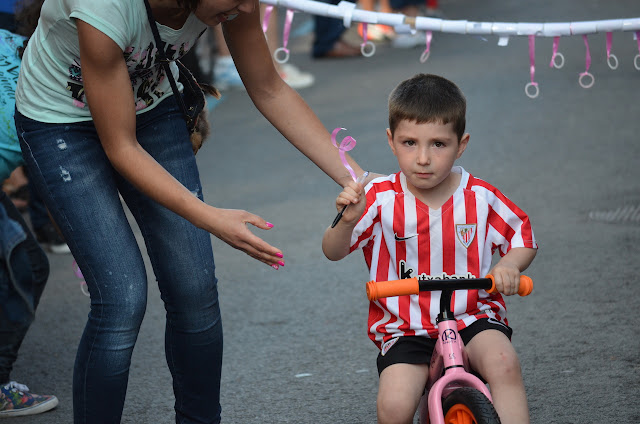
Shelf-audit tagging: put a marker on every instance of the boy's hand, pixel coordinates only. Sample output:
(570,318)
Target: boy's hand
(507,271)
(507,278)
(352,196)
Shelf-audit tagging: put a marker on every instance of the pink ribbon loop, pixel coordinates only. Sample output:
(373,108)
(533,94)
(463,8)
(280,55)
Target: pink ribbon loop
(267,14)
(427,51)
(531,89)
(285,39)
(555,54)
(347,144)
(78,273)
(612,60)
(636,60)
(586,79)
(367,48)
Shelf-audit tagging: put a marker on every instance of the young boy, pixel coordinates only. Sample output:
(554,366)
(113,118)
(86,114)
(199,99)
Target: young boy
(435,220)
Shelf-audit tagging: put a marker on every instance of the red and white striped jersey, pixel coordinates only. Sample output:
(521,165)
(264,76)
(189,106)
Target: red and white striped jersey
(401,237)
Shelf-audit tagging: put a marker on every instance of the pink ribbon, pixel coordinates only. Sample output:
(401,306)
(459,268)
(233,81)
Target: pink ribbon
(366,43)
(285,39)
(587,59)
(636,60)
(587,64)
(287,28)
(532,69)
(609,43)
(427,50)
(556,43)
(532,58)
(267,14)
(347,143)
(78,273)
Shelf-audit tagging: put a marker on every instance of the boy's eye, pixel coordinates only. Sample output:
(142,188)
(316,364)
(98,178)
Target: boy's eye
(409,142)
(439,144)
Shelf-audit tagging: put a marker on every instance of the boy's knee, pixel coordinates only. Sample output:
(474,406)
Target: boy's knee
(505,366)
(395,409)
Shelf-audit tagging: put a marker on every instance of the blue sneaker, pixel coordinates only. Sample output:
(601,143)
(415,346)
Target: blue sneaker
(16,401)
(225,74)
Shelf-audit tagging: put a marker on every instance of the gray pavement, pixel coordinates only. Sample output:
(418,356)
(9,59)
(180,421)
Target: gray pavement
(296,349)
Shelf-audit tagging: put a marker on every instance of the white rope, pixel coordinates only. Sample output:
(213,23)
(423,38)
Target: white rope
(347,12)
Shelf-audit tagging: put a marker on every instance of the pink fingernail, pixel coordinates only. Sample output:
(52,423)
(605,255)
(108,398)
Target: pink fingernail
(281,263)
(274,266)
(279,255)
(270,225)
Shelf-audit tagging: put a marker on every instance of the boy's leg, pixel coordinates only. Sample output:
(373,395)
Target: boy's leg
(492,355)
(399,392)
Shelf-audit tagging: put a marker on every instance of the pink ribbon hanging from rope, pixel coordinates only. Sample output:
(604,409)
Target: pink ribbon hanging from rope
(427,51)
(285,39)
(636,60)
(612,60)
(532,69)
(587,64)
(552,64)
(267,14)
(347,143)
(78,273)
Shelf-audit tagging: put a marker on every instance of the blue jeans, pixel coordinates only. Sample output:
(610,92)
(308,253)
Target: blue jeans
(80,187)
(24,270)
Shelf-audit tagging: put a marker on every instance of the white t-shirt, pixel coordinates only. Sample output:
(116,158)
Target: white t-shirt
(50,86)
(401,237)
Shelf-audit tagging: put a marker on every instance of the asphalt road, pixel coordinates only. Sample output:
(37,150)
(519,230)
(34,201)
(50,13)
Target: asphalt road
(296,349)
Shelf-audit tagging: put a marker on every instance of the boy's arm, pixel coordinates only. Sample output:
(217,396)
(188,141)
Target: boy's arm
(507,271)
(336,242)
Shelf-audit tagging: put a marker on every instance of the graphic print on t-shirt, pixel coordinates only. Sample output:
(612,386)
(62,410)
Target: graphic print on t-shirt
(147,73)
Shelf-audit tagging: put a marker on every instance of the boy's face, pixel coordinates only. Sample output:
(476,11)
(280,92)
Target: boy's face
(426,153)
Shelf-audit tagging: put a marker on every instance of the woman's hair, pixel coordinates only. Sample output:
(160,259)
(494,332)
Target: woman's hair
(428,98)
(27,15)
(189,5)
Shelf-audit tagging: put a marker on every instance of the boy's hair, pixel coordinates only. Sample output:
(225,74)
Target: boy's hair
(428,98)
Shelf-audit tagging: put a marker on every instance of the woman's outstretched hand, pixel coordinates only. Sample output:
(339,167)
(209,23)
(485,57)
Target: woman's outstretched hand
(230,226)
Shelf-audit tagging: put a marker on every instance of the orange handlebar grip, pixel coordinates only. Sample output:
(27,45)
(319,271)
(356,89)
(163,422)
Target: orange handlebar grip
(525,288)
(376,290)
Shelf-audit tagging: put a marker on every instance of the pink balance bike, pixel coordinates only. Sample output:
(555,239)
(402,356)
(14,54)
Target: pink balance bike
(453,395)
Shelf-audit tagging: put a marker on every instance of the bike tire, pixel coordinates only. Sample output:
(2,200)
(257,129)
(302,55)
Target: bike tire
(469,406)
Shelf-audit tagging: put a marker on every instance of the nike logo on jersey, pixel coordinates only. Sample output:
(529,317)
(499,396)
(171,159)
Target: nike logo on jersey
(403,238)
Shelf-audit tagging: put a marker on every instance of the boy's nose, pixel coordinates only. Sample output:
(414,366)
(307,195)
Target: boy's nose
(423,157)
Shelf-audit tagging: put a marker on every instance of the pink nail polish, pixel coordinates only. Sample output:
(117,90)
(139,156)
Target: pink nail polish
(281,263)
(270,225)
(274,266)
(279,255)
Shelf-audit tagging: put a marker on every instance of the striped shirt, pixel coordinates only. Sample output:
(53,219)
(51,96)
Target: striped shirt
(401,237)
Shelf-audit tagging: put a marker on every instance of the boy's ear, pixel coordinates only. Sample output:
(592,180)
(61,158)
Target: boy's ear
(462,145)
(390,141)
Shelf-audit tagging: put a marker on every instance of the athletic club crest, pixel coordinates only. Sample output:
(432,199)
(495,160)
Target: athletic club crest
(466,233)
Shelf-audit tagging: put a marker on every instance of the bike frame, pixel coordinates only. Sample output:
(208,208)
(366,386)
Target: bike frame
(448,356)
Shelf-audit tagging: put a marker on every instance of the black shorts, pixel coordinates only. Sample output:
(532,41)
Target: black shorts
(418,350)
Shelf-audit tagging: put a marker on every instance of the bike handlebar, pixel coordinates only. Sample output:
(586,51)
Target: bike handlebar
(379,289)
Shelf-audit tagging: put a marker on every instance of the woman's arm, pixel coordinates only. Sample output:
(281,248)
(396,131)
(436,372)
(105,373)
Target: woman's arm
(110,99)
(278,102)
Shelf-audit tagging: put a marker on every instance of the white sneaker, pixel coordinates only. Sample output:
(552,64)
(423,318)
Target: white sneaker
(295,77)
(409,41)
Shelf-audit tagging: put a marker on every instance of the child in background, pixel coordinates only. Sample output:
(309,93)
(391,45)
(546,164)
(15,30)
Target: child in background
(24,267)
(435,220)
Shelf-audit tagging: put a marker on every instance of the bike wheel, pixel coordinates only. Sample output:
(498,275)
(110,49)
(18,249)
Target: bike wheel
(469,406)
